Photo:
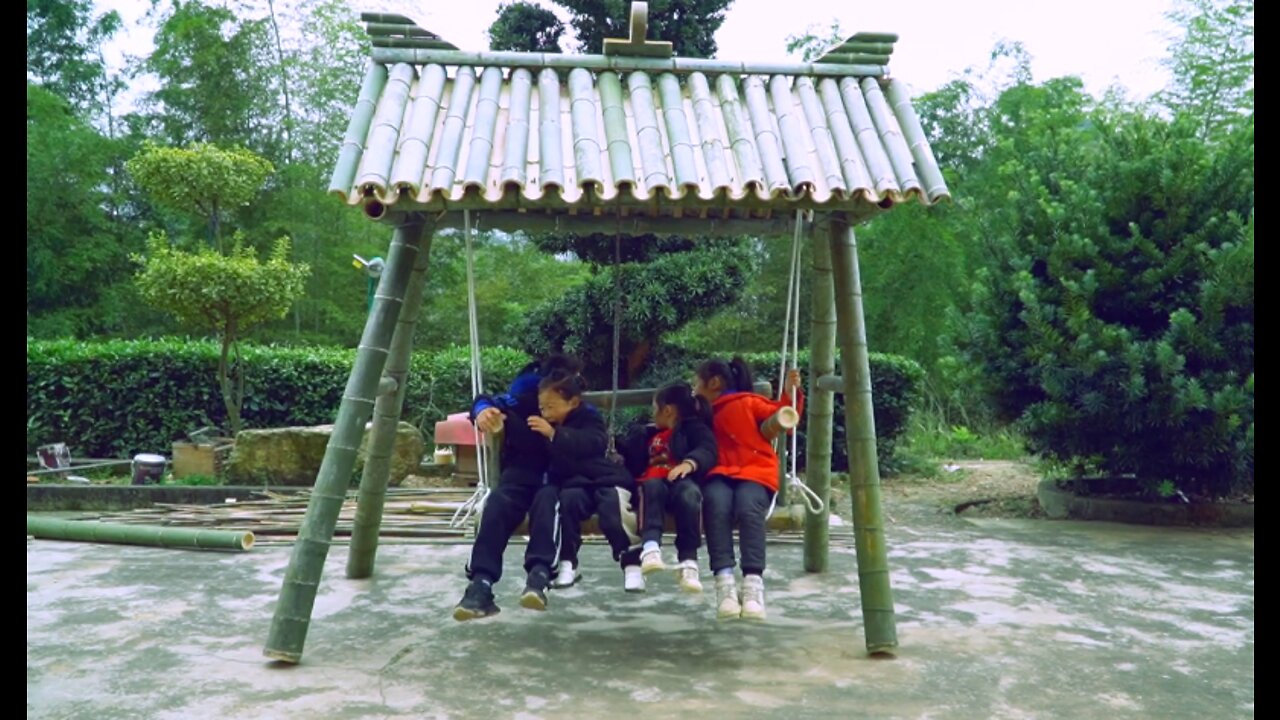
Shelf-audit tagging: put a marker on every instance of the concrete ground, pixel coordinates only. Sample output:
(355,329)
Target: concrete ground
(996,619)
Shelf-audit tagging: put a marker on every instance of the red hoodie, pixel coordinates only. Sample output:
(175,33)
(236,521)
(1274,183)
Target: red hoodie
(745,453)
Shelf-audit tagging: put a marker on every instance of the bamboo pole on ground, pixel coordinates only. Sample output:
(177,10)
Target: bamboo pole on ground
(173,537)
(821,406)
(386,419)
(306,564)
(864,473)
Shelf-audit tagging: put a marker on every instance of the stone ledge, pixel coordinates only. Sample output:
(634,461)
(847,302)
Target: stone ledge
(1061,504)
(42,498)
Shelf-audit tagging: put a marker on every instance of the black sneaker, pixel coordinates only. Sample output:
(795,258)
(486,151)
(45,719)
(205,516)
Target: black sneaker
(534,596)
(477,602)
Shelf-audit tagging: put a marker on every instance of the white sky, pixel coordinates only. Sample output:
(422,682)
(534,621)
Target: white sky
(1102,41)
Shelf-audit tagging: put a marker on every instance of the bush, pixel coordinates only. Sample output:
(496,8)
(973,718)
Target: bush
(1119,327)
(895,385)
(119,398)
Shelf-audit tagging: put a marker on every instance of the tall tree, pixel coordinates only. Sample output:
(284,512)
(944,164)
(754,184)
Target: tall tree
(1117,324)
(525,27)
(660,285)
(216,79)
(1212,64)
(73,253)
(665,282)
(689,25)
(63,50)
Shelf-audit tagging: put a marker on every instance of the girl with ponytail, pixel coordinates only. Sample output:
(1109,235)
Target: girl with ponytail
(669,459)
(741,486)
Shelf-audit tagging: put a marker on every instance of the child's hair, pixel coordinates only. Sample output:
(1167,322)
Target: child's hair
(680,394)
(558,362)
(735,374)
(568,385)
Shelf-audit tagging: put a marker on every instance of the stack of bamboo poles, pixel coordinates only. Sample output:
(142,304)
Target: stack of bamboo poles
(409,513)
(421,514)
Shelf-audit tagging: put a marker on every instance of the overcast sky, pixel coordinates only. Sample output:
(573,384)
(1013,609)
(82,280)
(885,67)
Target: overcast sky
(1102,41)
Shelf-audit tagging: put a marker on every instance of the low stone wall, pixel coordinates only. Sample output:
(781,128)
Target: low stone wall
(1062,504)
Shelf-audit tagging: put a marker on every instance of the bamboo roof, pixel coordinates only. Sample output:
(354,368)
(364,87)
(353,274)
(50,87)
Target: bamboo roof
(634,132)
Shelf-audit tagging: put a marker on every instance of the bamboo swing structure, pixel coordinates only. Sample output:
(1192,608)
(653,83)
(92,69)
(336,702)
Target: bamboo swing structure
(631,141)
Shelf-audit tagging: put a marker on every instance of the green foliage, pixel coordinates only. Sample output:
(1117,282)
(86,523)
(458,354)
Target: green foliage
(815,40)
(74,250)
(525,27)
(895,387)
(219,293)
(191,480)
(1118,321)
(224,294)
(440,382)
(119,398)
(657,297)
(1212,65)
(930,437)
(202,179)
(64,50)
(689,25)
(215,73)
(512,277)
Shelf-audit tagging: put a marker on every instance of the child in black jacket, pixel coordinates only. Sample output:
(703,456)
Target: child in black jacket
(668,458)
(525,489)
(590,484)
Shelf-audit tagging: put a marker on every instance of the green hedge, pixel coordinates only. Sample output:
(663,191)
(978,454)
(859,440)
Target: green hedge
(896,385)
(118,398)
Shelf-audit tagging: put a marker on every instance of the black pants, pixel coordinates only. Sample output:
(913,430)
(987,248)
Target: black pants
(578,504)
(681,498)
(521,492)
(727,500)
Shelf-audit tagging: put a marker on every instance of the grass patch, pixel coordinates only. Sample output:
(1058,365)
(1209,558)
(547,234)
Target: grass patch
(932,437)
(191,480)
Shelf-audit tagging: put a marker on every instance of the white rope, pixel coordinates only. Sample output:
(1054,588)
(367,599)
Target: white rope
(474,504)
(612,451)
(791,332)
(792,298)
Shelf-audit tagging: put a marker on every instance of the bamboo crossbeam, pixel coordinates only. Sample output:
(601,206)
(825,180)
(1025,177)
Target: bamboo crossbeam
(617,63)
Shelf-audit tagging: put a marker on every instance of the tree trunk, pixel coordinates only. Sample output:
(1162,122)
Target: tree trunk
(284,84)
(232,389)
(636,360)
(214,227)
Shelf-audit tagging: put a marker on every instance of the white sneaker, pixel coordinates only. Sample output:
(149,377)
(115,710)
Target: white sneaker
(752,597)
(727,605)
(566,576)
(688,573)
(632,579)
(651,562)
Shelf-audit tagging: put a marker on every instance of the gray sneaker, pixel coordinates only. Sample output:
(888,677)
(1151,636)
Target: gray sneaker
(727,605)
(752,597)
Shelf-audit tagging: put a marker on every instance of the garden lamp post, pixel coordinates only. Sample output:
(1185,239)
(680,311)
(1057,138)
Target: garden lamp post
(372,270)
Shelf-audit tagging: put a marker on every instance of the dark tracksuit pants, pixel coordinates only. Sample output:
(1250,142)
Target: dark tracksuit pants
(726,500)
(681,498)
(521,492)
(579,503)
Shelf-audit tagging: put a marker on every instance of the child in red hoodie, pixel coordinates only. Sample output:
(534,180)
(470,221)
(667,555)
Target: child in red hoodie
(743,482)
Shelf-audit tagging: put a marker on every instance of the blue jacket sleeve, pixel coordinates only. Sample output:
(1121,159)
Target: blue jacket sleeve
(525,382)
